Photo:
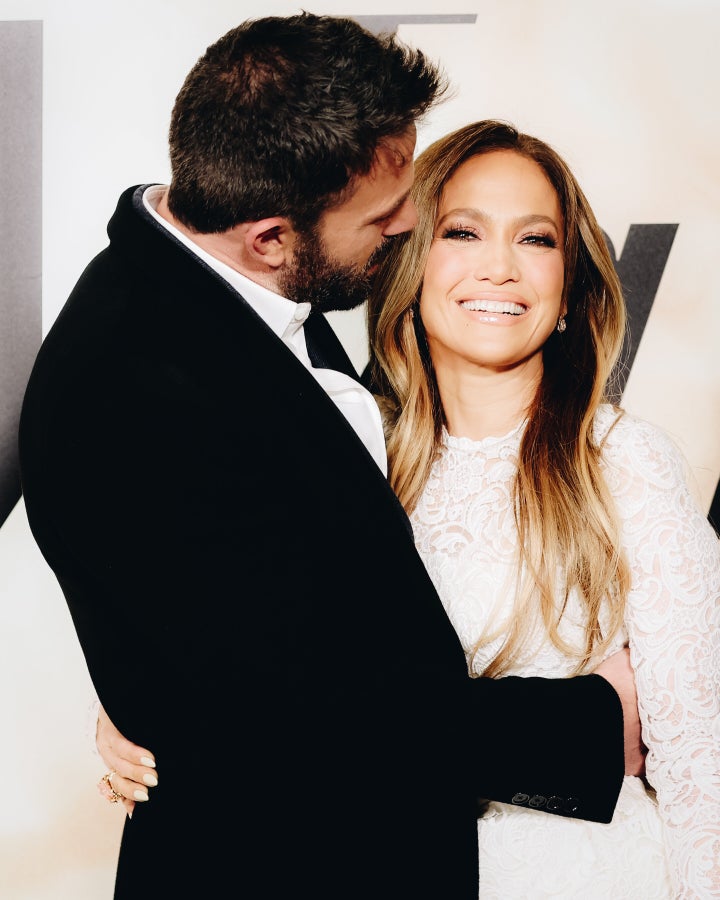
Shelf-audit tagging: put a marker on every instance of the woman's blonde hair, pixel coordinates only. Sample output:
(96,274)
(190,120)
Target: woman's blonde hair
(565,516)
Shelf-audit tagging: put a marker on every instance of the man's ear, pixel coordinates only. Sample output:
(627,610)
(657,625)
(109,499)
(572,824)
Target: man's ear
(270,242)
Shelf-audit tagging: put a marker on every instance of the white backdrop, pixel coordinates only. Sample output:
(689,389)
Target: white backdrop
(626,90)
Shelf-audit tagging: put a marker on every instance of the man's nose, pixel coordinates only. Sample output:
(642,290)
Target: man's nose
(405,219)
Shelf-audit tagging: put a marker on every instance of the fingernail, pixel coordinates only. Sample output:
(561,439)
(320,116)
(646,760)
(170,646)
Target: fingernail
(141,795)
(146,761)
(150,780)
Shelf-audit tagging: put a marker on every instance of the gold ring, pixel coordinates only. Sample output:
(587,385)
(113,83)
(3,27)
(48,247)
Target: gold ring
(107,790)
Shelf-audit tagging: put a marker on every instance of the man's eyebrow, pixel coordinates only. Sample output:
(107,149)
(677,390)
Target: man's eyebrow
(390,212)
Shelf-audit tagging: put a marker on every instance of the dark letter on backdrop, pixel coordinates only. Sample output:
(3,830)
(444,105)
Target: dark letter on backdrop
(640,269)
(20,234)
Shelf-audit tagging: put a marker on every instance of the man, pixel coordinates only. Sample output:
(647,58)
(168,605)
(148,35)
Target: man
(199,463)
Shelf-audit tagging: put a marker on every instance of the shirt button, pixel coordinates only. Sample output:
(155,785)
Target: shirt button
(554,804)
(572,805)
(520,799)
(537,801)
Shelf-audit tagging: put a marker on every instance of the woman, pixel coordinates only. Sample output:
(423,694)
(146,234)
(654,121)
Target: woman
(495,330)
(495,327)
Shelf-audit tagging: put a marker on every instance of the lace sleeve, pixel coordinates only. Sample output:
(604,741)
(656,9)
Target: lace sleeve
(673,621)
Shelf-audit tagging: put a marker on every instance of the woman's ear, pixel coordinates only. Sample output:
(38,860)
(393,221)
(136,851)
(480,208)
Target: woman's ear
(270,242)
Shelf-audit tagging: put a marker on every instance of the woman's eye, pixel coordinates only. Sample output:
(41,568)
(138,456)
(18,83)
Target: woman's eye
(539,240)
(458,234)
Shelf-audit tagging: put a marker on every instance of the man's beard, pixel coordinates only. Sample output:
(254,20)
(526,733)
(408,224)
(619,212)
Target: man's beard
(316,278)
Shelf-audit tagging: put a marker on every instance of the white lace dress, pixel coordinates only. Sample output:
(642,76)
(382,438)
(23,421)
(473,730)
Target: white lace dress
(666,846)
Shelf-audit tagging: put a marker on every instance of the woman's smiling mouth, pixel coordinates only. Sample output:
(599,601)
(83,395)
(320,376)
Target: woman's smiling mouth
(493,306)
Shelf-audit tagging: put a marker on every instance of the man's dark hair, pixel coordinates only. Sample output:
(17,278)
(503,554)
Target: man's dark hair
(282,113)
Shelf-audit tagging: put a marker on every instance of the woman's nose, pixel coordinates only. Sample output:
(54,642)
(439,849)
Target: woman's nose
(496,262)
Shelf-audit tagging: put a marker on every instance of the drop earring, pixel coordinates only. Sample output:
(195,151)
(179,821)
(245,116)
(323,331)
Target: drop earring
(561,325)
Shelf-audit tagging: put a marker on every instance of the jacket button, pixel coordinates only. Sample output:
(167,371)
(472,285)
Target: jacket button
(554,804)
(572,805)
(520,799)
(538,801)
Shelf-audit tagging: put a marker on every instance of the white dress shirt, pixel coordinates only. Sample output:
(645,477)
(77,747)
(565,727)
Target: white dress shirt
(286,319)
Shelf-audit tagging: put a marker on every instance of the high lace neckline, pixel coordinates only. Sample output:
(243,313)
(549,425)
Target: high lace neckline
(472,445)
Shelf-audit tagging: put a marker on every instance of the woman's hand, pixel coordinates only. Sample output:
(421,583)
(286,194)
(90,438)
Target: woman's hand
(618,671)
(131,768)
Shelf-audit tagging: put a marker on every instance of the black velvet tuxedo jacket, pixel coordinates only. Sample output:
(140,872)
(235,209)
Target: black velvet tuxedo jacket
(252,609)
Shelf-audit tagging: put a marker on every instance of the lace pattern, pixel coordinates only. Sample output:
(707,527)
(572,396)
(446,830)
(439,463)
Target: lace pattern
(465,532)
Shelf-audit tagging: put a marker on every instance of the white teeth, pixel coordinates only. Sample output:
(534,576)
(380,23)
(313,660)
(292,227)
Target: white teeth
(493,306)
